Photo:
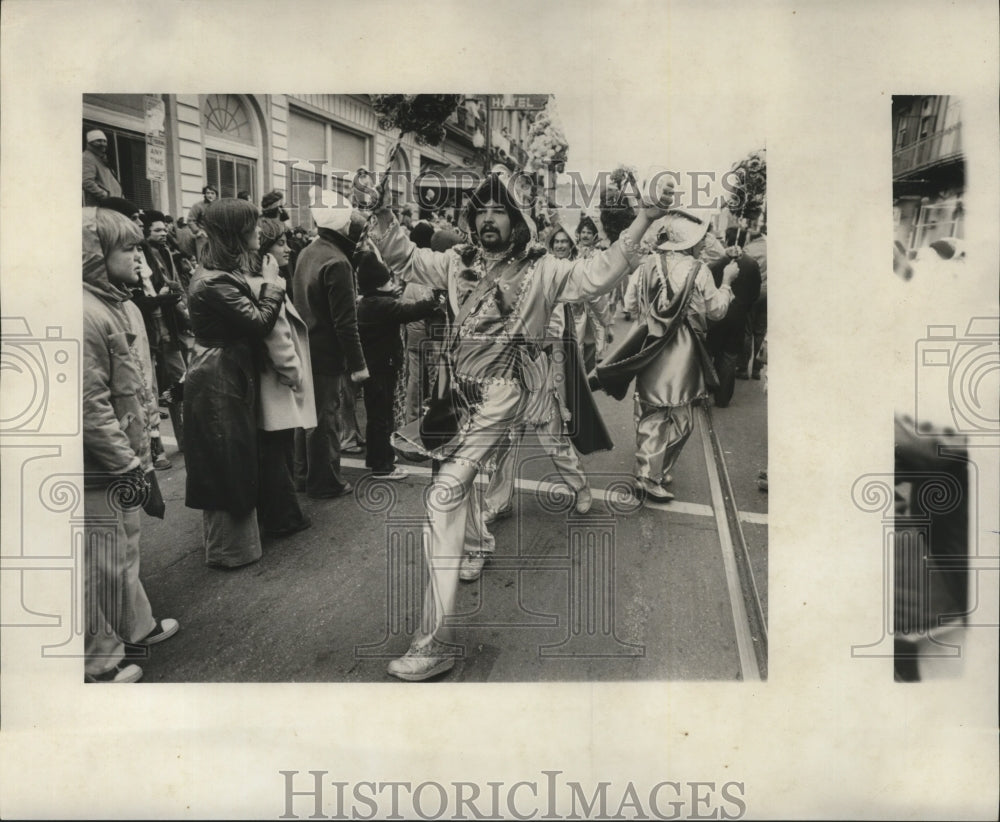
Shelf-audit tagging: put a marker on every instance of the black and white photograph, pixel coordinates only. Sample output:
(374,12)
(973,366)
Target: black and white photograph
(596,333)
(420,437)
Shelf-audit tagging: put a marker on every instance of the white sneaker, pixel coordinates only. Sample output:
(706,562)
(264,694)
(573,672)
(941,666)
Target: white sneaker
(653,492)
(122,672)
(472,565)
(397,474)
(418,664)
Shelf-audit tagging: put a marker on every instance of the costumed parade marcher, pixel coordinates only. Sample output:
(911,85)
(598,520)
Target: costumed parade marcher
(503,289)
(664,352)
(570,422)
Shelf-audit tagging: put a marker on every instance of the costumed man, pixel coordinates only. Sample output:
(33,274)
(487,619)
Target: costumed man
(503,289)
(572,418)
(593,318)
(587,236)
(665,350)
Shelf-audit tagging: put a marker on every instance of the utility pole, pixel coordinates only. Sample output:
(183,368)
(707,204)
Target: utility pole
(489,136)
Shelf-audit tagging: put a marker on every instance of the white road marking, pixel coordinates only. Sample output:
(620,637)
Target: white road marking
(675,507)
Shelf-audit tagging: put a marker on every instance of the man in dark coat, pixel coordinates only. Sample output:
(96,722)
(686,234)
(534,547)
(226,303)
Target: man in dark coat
(324,295)
(725,338)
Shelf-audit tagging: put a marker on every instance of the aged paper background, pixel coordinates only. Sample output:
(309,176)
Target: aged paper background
(826,735)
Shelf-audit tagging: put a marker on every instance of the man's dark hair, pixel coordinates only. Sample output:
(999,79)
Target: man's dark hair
(421,234)
(208,188)
(150,217)
(586,222)
(270,199)
(493,190)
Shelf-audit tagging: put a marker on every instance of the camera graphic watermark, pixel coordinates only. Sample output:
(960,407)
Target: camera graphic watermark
(39,409)
(935,572)
(966,371)
(41,381)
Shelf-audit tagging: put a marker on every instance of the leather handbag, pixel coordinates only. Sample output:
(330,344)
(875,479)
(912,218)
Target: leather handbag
(447,407)
(443,415)
(153,503)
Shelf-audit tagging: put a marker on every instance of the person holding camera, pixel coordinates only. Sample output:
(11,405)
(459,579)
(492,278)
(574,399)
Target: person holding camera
(119,407)
(220,394)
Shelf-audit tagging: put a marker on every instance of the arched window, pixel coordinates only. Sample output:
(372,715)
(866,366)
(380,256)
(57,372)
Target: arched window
(227,116)
(231,144)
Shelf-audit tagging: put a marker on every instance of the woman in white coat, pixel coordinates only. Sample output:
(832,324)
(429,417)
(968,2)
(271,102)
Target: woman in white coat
(287,401)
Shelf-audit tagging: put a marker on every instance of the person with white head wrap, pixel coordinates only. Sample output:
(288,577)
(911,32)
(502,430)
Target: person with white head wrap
(99,180)
(325,295)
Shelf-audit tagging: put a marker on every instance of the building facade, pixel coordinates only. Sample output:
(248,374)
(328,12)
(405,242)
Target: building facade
(256,143)
(928,170)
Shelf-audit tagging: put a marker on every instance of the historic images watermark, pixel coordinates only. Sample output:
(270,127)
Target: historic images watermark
(933,564)
(314,794)
(306,181)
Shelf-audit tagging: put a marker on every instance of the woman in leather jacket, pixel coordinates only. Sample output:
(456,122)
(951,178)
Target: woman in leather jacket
(220,395)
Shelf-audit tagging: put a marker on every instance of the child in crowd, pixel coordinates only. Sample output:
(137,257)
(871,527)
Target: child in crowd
(380,314)
(119,408)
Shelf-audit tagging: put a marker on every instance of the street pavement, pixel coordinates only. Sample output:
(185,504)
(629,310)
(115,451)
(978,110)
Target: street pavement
(623,593)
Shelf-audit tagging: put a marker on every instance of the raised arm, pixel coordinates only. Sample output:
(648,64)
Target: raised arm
(717,300)
(255,319)
(598,274)
(417,265)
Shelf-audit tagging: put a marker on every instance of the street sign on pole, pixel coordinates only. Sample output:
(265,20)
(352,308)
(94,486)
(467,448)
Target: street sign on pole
(156,145)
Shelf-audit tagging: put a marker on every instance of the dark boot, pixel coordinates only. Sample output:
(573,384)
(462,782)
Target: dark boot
(177,421)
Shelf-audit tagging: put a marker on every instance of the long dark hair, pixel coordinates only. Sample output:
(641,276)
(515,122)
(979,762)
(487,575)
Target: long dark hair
(228,223)
(493,189)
